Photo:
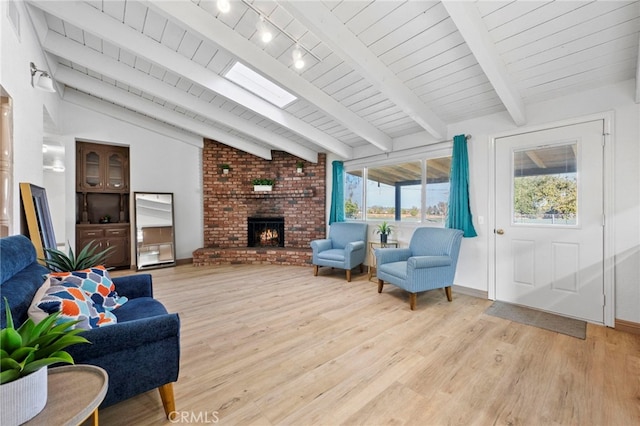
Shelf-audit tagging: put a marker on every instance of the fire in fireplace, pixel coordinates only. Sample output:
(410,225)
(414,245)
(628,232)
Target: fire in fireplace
(265,231)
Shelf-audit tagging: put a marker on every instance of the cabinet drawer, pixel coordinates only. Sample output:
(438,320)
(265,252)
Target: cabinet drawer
(90,233)
(116,232)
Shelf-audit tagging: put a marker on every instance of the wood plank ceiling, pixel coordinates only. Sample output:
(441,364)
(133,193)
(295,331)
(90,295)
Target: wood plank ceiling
(374,70)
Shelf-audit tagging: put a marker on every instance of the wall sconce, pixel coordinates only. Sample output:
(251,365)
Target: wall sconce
(44,81)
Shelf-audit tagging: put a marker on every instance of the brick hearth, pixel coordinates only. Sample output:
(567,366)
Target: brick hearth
(229,199)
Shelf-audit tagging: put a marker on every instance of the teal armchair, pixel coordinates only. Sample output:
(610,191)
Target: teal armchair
(345,248)
(428,263)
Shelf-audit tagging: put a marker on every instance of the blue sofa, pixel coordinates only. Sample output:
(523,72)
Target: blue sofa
(140,353)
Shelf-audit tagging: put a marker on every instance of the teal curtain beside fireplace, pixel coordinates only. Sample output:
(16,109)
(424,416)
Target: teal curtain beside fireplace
(459,216)
(336,214)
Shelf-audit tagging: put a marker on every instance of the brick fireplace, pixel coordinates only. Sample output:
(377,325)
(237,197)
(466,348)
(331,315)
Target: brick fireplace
(229,201)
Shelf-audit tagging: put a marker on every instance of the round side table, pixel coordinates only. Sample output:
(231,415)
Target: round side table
(74,394)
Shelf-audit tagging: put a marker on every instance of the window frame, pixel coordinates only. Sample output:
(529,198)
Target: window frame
(423,154)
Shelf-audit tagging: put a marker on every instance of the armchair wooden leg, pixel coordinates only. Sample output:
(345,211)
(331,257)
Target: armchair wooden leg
(348,275)
(168,401)
(315,270)
(447,290)
(380,285)
(412,300)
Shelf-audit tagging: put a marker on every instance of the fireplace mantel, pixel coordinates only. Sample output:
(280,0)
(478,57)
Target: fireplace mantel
(304,193)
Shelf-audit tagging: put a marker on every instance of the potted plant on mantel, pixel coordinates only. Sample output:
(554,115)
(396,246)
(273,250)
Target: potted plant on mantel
(262,184)
(299,166)
(225,168)
(25,354)
(384,229)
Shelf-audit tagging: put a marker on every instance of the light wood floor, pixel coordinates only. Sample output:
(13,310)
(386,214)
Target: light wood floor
(273,345)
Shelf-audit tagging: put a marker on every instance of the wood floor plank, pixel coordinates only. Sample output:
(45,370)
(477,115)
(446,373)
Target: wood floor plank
(272,345)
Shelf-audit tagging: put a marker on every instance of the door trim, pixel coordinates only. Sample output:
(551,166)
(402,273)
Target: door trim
(608,200)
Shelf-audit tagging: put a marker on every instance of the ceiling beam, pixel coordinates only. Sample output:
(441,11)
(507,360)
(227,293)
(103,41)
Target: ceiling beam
(328,28)
(118,96)
(104,65)
(123,114)
(190,15)
(467,19)
(101,25)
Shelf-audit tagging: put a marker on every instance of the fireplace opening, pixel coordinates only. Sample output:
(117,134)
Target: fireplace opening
(265,231)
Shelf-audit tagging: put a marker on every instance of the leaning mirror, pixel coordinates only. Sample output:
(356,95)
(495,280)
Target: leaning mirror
(155,243)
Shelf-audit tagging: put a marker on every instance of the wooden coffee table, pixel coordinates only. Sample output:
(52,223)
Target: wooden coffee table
(74,394)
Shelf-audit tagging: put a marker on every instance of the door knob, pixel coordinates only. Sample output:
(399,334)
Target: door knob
(500,231)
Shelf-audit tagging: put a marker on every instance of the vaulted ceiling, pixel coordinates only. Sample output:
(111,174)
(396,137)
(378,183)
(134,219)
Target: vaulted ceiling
(374,70)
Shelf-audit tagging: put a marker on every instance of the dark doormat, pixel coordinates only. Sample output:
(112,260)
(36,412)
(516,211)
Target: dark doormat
(569,326)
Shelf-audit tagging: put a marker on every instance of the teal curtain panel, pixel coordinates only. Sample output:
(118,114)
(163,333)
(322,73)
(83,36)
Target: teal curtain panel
(336,214)
(459,207)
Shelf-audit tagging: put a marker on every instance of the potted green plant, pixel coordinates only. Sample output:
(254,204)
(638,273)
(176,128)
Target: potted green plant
(88,257)
(384,229)
(299,166)
(262,184)
(25,354)
(225,168)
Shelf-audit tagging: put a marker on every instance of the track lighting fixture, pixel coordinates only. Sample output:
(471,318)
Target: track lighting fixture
(263,29)
(298,62)
(224,6)
(44,81)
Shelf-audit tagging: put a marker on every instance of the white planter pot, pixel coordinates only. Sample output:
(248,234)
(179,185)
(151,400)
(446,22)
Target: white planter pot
(225,171)
(262,188)
(23,399)
(299,170)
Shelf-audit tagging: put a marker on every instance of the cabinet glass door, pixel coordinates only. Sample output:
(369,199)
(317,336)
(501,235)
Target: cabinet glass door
(92,178)
(116,171)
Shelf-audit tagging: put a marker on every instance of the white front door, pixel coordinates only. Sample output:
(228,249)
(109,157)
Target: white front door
(549,230)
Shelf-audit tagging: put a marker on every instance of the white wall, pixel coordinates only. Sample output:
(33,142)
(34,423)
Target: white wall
(157,164)
(28,103)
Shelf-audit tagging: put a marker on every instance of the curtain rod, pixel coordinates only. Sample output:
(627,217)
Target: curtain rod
(435,144)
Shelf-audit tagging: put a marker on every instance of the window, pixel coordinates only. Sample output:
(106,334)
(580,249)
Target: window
(254,82)
(438,170)
(353,195)
(406,191)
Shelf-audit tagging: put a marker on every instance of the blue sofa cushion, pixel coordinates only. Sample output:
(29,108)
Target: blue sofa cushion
(332,254)
(397,269)
(142,307)
(20,277)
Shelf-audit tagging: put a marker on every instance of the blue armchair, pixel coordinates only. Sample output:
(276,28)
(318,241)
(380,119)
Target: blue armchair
(429,262)
(140,353)
(345,248)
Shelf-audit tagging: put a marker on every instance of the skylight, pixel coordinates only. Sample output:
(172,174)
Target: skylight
(254,82)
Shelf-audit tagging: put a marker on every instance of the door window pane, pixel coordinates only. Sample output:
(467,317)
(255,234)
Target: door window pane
(545,185)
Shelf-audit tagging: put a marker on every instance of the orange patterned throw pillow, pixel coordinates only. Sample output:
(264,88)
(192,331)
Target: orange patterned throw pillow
(73,304)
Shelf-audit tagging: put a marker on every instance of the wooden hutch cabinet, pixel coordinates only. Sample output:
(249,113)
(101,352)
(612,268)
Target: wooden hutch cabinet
(102,200)
(102,168)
